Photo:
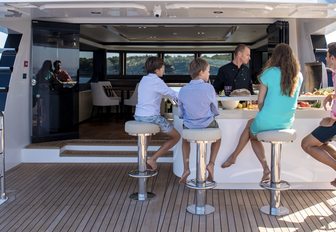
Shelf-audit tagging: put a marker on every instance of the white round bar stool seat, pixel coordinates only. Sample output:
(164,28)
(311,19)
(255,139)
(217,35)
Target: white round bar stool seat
(201,137)
(276,138)
(207,134)
(135,128)
(142,130)
(285,135)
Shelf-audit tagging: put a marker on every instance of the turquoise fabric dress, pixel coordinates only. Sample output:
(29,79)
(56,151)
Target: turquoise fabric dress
(279,110)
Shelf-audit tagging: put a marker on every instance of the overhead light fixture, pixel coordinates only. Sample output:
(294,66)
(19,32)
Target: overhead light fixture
(175,6)
(92,6)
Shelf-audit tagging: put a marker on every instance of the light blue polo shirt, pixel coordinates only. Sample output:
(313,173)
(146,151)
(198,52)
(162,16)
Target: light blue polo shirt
(197,104)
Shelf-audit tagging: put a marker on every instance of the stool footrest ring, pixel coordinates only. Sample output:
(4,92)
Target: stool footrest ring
(145,174)
(206,185)
(282,185)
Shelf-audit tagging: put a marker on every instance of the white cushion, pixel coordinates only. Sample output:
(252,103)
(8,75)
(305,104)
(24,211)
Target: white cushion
(134,128)
(286,135)
(206,134)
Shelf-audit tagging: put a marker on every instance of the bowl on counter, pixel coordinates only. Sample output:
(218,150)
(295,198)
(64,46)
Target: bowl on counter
(230,105)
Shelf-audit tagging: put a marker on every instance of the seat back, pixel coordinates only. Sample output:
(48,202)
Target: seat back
(107,86)
(99,97)
(133,100)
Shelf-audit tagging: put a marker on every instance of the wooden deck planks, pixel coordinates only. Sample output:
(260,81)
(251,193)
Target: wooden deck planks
(95,197)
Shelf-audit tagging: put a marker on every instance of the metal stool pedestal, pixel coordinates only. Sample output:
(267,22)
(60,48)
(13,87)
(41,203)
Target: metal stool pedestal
(142,130)
(276,138)
(200,184)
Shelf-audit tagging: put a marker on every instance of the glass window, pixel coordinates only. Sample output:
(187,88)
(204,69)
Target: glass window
(3,38)
(177,64)
(135,63)
(85,66)
(112,63)
(216,60)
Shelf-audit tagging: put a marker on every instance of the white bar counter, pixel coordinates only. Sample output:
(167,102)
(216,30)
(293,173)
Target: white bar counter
(297,167)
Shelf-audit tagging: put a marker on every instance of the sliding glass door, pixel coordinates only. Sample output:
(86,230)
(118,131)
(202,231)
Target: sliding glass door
(55,61)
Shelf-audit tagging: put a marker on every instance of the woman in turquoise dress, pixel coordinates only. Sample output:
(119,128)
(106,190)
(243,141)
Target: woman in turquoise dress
(280,84)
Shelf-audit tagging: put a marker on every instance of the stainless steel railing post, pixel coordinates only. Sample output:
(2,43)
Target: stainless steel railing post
(3,196)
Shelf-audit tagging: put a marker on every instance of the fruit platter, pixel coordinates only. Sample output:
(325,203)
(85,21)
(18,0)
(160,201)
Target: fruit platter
(309,104)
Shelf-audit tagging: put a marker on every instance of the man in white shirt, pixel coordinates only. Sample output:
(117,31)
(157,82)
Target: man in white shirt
(151,89)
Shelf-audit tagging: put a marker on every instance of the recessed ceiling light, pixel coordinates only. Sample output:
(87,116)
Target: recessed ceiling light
(218,12)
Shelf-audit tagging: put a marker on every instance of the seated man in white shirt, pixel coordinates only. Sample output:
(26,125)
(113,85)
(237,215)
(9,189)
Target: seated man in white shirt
(151,89)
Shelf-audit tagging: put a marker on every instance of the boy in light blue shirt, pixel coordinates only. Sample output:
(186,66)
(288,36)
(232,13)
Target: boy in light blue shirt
(198,107)
(151,89)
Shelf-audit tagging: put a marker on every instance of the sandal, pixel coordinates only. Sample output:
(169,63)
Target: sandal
(266,177)
(151,166)
(184,177)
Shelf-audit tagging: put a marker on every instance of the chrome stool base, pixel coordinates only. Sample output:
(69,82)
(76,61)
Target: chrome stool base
(142,197)
(3,200)
(201,186)
(280,211)
(204,210)
(145,174)
(281,186)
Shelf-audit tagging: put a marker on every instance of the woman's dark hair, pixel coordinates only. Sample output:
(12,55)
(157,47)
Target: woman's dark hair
(44,71)
(153,63)
(284,58)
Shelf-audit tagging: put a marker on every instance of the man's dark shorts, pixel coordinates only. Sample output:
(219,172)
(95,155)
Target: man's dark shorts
(324,134)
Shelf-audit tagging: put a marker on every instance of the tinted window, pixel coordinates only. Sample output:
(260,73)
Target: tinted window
(85,66)
(216,60)
(177,64)
(135,63)
(112,63)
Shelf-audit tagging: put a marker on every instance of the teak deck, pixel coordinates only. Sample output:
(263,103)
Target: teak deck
(95,197)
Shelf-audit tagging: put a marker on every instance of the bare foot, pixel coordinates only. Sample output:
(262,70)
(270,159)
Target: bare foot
(152,164)
(228,163)
(184,177)
(333,183)
(266,176)
(210,168)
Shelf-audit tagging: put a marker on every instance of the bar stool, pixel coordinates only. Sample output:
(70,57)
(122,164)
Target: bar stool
(142,130)
(276,138)
(201,137)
